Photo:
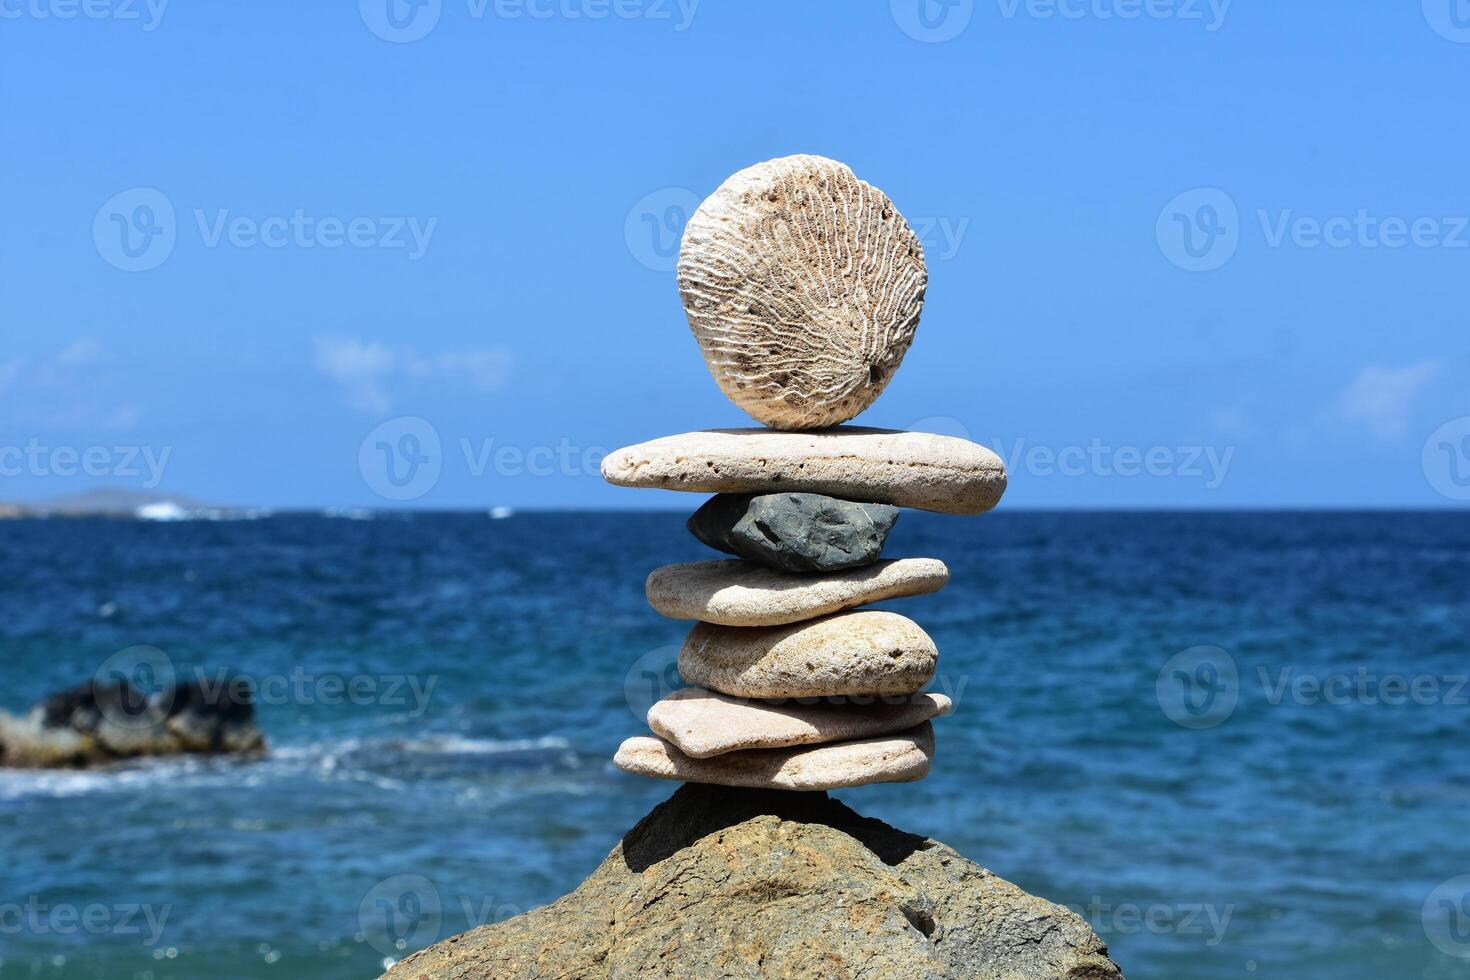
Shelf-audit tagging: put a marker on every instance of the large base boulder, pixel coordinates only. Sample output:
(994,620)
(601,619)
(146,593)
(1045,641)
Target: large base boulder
(719,882)
(102,724)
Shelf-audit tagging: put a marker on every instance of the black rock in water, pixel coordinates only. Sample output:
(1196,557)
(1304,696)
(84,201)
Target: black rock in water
(99,724)
(795,532)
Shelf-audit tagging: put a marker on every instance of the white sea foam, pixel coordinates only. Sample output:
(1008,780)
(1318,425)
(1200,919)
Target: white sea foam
(352,758)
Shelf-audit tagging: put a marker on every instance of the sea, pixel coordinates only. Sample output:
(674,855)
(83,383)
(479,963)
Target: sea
(1236,743)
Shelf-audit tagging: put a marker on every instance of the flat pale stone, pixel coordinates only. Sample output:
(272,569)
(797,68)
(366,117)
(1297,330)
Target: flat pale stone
(704,723)
(906,469)
(803,286)
(900,758)
(850,653)
(740,593)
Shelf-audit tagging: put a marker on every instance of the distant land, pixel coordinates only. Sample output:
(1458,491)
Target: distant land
(118,502)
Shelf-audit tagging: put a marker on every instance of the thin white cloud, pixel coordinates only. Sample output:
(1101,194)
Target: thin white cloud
(370,374)
(83,350)
(1382,399)
(73,388)
(360,369)
(485,369)
(1233,421)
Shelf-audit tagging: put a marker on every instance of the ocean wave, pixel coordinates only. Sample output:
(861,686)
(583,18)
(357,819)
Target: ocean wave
(349,757)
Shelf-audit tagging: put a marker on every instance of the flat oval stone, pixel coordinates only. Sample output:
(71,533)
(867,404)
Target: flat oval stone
(797,532)
(739,593)
(803,286)
(900,758)
(703,723)
(906,469)
(851,653)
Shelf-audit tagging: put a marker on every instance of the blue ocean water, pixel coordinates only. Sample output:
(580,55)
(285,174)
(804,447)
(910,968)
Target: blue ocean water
(1235,742)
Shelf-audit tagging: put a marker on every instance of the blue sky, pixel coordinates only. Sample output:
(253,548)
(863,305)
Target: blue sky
(1181,254)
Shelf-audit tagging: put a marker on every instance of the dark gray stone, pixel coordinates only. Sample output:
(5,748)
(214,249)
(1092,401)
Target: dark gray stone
(101,724)
(795,532)
(730,884)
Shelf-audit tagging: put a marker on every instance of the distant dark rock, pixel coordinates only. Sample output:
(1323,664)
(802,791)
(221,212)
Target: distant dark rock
(720,883)
(98,724)
(796,532)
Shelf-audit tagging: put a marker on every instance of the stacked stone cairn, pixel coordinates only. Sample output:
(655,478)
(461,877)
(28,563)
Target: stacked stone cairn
(803,286)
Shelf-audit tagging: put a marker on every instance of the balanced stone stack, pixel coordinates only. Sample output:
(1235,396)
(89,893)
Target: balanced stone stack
(803,286)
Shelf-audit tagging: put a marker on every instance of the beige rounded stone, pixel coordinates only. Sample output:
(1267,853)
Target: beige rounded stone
(851,653)
(703,723)
(742,593)
(907,469)
(803,286)
(900,758)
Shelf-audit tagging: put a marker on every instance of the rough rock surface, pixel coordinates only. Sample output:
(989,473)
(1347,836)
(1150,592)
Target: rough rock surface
(795,532)
(803,286)
(732,884)
(97,724)
(739,593)
(850,653)
(906,469)
(703,723)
